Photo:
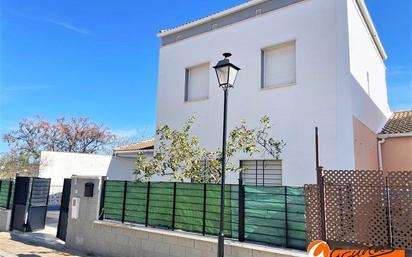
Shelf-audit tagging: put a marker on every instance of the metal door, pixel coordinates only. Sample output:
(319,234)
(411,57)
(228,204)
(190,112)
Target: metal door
(64,210)
(30,203)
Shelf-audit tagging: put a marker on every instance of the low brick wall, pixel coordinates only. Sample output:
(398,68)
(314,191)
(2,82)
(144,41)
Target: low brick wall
(106,238)
(5,218)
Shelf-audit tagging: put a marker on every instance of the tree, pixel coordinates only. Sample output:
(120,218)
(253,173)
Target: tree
(65,135)
(180,153)
(13,163)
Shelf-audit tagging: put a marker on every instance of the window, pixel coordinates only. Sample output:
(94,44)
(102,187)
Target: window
(197,83)
(262,172)
(279,65)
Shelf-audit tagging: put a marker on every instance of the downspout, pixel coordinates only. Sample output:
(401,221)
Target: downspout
(380,142)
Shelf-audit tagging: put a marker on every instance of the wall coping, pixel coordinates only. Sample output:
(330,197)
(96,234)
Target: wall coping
(188,235)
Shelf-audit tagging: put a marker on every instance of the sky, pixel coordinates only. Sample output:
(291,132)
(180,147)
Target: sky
(99,58)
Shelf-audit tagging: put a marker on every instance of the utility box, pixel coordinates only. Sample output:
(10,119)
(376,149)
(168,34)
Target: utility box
(88,189)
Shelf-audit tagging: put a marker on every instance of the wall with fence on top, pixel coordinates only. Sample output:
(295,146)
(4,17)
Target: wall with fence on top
(272,215)
(6,193)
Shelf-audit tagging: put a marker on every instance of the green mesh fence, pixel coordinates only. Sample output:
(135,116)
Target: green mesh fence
(161,204)
(5,200)
(213,210)
(189,207)
(113,200)
(136,199)
(273,215)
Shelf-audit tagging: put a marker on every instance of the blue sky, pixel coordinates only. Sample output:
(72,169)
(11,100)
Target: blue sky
(99,58)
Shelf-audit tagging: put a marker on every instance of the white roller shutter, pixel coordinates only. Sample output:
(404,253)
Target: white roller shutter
(279,65)
(197,83)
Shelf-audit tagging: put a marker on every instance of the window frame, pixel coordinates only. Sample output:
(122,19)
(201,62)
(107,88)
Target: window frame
(187,76)
(262,65)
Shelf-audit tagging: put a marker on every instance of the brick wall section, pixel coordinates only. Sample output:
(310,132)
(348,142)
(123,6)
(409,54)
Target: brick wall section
(126,240)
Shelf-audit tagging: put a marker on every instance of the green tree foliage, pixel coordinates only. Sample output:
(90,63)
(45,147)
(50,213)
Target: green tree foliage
(180,154)
(13,163)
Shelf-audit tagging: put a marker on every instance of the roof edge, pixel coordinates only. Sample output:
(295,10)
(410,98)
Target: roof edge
(371,27)
(405,134)
(167,32)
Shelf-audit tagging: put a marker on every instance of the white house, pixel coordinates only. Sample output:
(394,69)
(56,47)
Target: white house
(305,63)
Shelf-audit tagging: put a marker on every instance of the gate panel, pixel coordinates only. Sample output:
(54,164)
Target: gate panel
(64,210)
(20,203)
(38,204)
(30,203)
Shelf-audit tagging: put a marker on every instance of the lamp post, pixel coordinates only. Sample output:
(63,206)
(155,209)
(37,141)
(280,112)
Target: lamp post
(226,73)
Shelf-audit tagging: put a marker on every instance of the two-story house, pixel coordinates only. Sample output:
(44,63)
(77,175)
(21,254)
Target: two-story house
(305,63)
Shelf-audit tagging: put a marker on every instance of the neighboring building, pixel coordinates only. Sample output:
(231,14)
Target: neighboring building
(119,166)
(395,143)
(131,150)
(305,63)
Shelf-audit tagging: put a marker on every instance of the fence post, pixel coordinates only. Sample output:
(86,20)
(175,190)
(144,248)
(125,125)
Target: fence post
(174,206)
(124,200)
(286,218)
(147,204)
(102,196)
(9,194)
(241,199)
(204,209)
(388,211)
(321,187)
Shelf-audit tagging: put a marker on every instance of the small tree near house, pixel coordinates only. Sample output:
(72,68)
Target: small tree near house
(180,154)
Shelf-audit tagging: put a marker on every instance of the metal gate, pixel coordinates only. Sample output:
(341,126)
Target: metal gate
(64,210)
(30,203)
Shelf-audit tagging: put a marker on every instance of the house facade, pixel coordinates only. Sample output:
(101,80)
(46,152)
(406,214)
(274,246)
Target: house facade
(305,63)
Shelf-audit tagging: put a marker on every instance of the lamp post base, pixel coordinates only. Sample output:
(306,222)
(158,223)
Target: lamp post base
(221,246)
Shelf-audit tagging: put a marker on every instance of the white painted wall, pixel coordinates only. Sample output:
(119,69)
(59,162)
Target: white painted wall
(59,165)
(327,94)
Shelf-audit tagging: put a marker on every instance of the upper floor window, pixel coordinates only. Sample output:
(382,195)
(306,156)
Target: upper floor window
(279,65)
(197,83)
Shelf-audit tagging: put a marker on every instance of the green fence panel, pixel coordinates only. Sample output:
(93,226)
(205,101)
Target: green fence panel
(296,218)
(265,216)
(113,200)
(189,207)
(136,199)
(213,210)
(4,194)
(273,215)
(161,204)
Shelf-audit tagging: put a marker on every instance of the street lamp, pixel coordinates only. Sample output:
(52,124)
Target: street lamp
(226,73)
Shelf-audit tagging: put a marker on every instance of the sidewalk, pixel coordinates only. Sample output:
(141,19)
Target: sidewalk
(26,245)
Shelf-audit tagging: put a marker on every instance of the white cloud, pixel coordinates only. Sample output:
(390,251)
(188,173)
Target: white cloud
(69,27)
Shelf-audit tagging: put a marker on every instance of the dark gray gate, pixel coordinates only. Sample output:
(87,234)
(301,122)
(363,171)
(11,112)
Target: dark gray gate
(64,210)
(30,203)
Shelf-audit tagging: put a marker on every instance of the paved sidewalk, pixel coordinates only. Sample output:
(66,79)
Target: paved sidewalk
(27,245)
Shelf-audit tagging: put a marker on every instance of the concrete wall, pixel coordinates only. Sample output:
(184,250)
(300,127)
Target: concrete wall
(114,239)
(366,147)
(397,154)
(59,165)
(5,218)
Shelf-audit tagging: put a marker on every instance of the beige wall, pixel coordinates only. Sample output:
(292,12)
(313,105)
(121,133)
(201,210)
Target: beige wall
(366,147)
(397,154)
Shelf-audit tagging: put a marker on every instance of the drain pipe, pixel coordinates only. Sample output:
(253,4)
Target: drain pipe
(380,142)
